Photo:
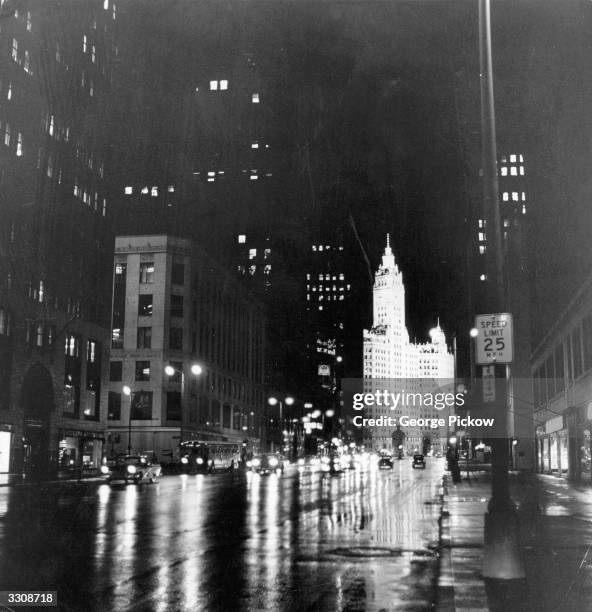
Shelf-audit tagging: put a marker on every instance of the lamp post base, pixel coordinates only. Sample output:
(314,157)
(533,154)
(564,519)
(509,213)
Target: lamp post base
(501,553)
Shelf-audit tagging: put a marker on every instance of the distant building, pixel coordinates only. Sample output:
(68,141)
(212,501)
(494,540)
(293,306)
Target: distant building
(173,309)
(392,362)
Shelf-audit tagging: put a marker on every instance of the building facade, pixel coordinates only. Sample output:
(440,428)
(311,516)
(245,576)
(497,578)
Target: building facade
(55,244)
(187,350)
(393,363)
(562,391)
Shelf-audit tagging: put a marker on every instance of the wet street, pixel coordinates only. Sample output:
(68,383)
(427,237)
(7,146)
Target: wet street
(306,540)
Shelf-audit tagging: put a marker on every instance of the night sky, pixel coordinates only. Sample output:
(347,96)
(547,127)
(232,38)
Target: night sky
(384,98)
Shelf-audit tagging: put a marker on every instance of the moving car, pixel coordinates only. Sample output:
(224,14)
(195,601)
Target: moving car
(132,468)
(418,461)
(385,462)
(266,464)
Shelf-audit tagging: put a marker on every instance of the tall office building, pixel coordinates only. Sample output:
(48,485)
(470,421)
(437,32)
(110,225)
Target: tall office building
(187,350)
(56,92)
(393,363)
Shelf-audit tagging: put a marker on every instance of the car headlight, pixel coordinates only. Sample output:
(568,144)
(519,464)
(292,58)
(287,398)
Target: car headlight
(104,469)
(199,461)
(249,463)
(131,469)
(273,462)
(325,459)
(184,460)
(301,462)
(256,462)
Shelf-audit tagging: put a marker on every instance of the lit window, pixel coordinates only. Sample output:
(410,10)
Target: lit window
(514,196)
(505,196)
(171,189)
(242,238)
(104,207)
(506,223)
(9,92)
(521,159)
(91,89)
(254,145)
(223,84)
(512,159)
(481,223)
(93,54)
(211,180)
(154,192)
(267,269)
(255,98)
(521,170)
(504,171)
(58,55)
(483,277)
(211,174)
(523,209)
(84,43)
(106,5)
(266,253)
(15,50)
(144,190)
(49,166)
(7,134)
(320,247)
(523,196)
(19,145)
(482,249)
(482,237)
(51,126)
(514,171)
(28,21)
(114,11)
(253,177)
(27,65)
(252,253)
(128,190)
(252,270)
(213,85)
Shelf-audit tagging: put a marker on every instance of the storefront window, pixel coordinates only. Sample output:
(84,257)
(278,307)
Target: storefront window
(585,455)
(563,451)
(546,463)
(554,453)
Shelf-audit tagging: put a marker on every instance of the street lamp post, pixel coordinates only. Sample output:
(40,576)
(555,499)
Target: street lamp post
(127,392)
(501,557)
(274,401)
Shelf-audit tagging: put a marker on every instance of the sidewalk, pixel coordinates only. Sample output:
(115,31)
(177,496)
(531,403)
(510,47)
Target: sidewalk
(13,480)
(555,539)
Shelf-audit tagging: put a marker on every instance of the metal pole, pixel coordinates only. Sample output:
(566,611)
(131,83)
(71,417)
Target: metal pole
(501,555)
(129,429)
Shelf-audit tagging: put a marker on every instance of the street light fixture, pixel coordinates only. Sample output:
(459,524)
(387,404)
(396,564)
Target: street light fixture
(127,392)
(170,370)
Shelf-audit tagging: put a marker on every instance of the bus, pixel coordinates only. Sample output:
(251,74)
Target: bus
(207,457)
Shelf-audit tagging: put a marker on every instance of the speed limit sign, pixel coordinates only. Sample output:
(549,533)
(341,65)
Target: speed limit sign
(494,341)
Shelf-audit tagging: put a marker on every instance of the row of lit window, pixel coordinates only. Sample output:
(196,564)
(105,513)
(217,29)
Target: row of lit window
(327,288)
(87,198)
(513,159)
(327,247)
(329,277)
(88,48)
(253,269)
(514,170)
(26,17)
(5,322)
(89,161)
(153,191)
(253,253)
(8,136)
(113,8)
(25,61)
(328,298)
(515,196)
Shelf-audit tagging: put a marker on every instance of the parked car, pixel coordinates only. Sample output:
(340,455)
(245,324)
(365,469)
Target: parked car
(418,461)
(266,464)
(132,468)
(385,462)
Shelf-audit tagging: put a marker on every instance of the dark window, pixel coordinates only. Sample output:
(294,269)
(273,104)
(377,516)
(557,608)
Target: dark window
(114,406)
(118,323)
(587,329)
(176,305)
(178,274)
(559,372)
(145,305)
(142,370)
(226,416)
(142,405)
(144,337)
(116,371)
(173,406)
(550,366)
(147,272)
(236,418)
(576,336)
(176,338)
